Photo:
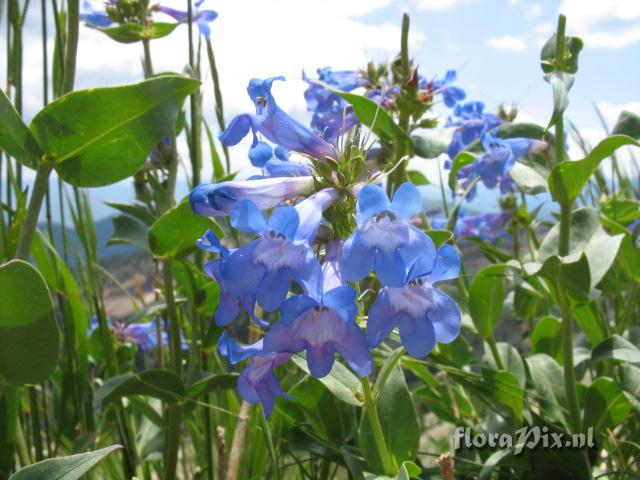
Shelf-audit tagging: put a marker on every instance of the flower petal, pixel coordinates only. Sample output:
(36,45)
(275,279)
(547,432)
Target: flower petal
(343,301)
(417,334)
(445,316)
(246,217)
(353,348)
(407,201)
(357,259)
(371,200)
(382,320)
(390,268)
(320,359)
(273,289)
(236,131)
(285,220)
(447,264)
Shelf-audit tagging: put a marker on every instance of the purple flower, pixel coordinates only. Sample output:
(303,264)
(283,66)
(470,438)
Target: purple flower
(258,382)
(488,226)
(385,241)
(422,313)
(276,161)
(494,165)
(218,199)
(321,327)
(201,18)
(274,124)
(332,266)
(94,18)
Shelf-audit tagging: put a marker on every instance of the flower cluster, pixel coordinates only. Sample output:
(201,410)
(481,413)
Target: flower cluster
(302,291)
(332,115)
(489,226)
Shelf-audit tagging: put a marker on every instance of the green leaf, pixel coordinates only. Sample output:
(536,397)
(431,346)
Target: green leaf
(177,231)
(100,136)
(408,470)
(616,348)
(506,390)
(340,381)
(486,298)
(628,124)
(462,160)
(208,382)
(512,361)
(417,178)
(569,61)
(64,468)
(605,405)
(15,137)
(521,129)
(432,142)
(371,114)
(527,179)
(129,231)
(28,332)
(134,32)
(548,388)
(136,211)
(588,238)
(395,408)
(547,338)
(567,179)
(561,83)
(162,384)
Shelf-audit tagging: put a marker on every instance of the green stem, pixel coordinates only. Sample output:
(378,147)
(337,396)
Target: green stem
(73,20)
(172,441)
(376,428)
(563,250)
(40,186)
(495,352)
(218,98)
(569,370)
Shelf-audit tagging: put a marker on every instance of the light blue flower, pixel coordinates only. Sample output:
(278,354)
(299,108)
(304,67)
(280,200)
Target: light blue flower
(274,124)
(451,95)
(472,123)
(321,327)
(384,240)
(422,313)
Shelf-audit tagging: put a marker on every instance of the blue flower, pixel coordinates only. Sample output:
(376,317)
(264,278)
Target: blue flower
(276,161)
(494,165)
(321,327)
(385,241)
(276,125)
(450,94)
(472,123)
(264,268)
(219,199)
(201,18)
(422,313)
(94,18)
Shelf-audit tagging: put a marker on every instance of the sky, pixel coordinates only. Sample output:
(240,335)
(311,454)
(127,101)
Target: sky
(493,44)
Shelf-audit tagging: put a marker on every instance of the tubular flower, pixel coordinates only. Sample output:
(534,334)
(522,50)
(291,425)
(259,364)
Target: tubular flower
(219,199)
(500,156)
(258,382)
(384,240)
(450,95)
(488,226)
(202,18)
(422,313)
(274,124)
(321,327)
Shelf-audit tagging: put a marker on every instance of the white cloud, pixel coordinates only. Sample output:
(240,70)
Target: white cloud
(436,5)
(544,28)
(604,24)
(534,10)
(611,111)
(507,42)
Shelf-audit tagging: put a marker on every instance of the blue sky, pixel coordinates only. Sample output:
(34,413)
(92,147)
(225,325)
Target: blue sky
(494,45)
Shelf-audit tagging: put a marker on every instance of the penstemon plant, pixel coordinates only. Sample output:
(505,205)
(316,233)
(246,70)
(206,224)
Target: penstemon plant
(318,319)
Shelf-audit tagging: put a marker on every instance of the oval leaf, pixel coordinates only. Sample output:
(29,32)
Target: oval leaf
(100,136)
(486,298)
(28,330)
(15,137)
